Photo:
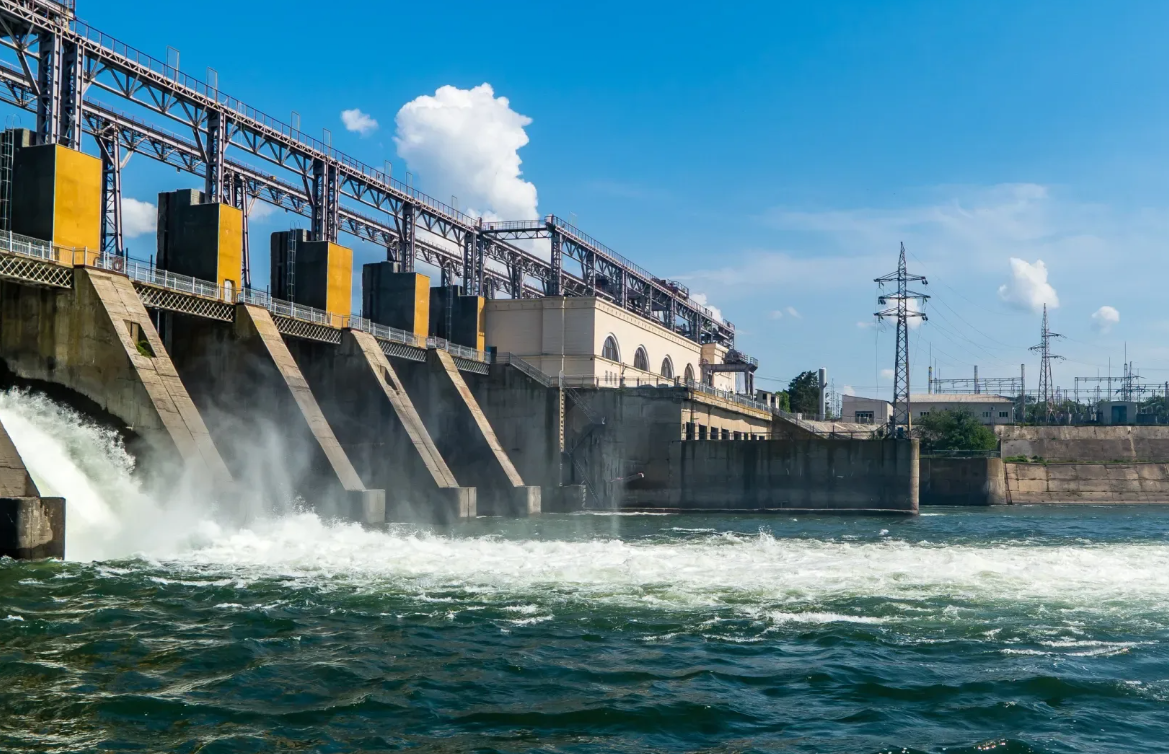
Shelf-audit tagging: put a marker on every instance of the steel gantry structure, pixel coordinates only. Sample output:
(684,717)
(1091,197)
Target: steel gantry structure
(58,64)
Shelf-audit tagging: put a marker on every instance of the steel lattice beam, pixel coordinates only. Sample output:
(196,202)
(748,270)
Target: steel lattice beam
(218,123)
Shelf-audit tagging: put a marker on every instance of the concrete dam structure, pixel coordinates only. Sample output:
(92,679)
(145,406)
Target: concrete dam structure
(517,384)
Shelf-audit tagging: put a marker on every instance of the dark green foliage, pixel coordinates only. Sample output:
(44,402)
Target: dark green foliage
(804,393)
(954,430)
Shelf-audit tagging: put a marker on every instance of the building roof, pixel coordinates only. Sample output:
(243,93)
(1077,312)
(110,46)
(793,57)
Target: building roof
(939,398)
(979,398)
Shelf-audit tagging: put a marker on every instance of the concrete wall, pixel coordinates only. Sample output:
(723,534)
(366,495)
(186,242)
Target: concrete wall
(57,196)
(1087,483)
(526,417)
(379,428)
(1097,444)
(783,475)
(962,481)
(97,342)
(30,526)
(465,437)
(260,409)
(396,299)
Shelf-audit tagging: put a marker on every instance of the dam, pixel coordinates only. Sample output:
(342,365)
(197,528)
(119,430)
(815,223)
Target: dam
(506,383)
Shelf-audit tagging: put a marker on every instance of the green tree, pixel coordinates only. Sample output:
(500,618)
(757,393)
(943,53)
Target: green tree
(804,393)
(954,430)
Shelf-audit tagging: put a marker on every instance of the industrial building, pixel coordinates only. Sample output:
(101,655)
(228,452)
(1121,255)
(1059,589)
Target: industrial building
(991,410)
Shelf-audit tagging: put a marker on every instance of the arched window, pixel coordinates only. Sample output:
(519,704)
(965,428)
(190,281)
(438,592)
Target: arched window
(690,373)
(641,359)
(667,368)
(610,351)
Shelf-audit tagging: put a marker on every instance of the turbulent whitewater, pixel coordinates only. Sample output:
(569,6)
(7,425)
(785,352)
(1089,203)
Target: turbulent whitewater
(174,627)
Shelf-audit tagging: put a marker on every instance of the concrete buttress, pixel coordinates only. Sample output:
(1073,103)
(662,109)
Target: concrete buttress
(465,438)
(98,341)
(262,411)
(380,429)
(31,526)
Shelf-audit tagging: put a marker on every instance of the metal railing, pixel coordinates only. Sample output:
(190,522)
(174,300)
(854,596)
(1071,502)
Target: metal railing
(288,309)
(525,367)
(727,395)
(389,334)
(144,272)
(455,349)
(14,243)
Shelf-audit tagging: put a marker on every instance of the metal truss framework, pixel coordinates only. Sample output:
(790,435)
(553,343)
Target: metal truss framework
(60,60)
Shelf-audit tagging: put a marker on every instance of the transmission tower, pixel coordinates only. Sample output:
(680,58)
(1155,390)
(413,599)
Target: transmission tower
(1044,349)
(903,306)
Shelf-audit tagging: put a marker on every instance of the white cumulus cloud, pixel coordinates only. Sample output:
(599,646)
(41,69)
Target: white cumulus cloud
(465,143)
(791,311)
(358,122)
(1105,318)
(138,218)
(1028,288)
(886,374)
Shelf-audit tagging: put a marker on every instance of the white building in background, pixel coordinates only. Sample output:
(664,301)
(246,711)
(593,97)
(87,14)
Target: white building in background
(991,410)
(592,341)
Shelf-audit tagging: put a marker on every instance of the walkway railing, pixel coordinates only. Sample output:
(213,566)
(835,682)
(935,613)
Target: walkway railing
(525,367)
(455,349)
(389,334)
(14,243)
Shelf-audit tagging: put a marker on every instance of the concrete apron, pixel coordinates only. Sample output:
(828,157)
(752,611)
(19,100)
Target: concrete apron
(31,526)
(380,429)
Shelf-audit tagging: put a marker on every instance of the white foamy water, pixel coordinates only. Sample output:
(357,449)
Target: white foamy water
(107,513)
(712,571)
(776,580)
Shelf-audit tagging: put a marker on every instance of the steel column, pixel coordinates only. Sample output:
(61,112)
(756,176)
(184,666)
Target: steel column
(481,266)
(48,87)
(333,205)
(70,123)
(319,198)
(553,287)
(516,279)
(240,200)
(406,238)
(215,186)
(111,193)
(470,241)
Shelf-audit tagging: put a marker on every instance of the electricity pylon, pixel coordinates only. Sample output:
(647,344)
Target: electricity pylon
(900,308)
(1046,357)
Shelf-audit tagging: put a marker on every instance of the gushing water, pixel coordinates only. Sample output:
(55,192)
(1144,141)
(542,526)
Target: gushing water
(108,513)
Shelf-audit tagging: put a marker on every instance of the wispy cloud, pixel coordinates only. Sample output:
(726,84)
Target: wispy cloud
(358,122)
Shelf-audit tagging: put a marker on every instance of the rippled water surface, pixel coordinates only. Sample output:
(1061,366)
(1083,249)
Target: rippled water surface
(1042,629)
(1029,629)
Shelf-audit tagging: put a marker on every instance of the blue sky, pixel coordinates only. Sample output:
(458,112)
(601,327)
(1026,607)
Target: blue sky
(771,155)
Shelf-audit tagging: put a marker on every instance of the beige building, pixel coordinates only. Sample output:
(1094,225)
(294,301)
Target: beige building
(991,410)
(594,343)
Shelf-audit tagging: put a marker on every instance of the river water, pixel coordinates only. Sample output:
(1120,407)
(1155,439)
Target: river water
(1041,629)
